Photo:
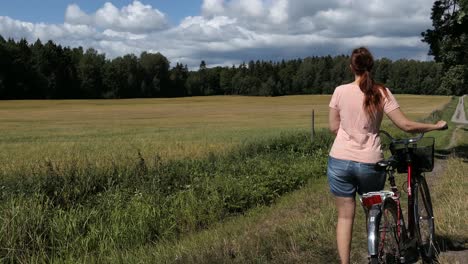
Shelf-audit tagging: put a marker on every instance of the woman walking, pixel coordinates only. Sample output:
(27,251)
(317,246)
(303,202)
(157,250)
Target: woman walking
(356,112)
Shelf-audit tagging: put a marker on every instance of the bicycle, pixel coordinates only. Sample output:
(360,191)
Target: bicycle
(389,239)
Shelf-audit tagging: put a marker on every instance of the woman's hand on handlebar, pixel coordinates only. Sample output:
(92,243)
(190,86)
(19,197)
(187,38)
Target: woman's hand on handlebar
(441,125)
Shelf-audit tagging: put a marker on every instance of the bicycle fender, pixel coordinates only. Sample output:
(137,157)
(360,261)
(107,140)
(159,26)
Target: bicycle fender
(375,214)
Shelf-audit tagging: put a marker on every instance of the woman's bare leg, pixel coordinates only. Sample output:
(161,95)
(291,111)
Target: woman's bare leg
(344,227)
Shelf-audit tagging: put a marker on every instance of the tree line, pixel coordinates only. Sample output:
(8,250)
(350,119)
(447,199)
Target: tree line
(50,71)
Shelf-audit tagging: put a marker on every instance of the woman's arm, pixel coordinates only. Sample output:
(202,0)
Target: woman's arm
(401,121)
(334,120)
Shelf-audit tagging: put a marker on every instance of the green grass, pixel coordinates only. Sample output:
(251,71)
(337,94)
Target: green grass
(300,227)
(87,191)
(451,210)
(466,107)
(442,138)
(449,201)
(69,212)
(297,229)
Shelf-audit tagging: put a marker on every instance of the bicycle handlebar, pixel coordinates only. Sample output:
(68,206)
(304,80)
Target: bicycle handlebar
(402,140)
(407,141)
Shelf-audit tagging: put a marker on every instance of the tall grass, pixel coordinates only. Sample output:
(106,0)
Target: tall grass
(300,227)
(65,212)
(64,209)
(450,205)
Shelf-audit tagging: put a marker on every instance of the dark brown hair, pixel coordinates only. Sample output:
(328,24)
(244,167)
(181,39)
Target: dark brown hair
(362,63)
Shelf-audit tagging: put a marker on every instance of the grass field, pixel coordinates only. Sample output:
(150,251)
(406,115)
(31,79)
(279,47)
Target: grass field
(300,227)
(76,208)
(101,131)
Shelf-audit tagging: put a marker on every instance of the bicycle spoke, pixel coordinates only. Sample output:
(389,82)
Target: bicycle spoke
(389,242)
(424,220)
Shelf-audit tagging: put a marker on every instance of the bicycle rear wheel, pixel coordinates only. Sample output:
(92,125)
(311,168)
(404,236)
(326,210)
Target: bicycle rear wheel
(424,220)
(389,241)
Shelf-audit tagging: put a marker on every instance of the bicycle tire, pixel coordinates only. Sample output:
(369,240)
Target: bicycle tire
(389,242)
(424,220)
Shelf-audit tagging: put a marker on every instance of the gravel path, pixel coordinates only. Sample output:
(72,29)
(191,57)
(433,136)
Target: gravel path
(459,115)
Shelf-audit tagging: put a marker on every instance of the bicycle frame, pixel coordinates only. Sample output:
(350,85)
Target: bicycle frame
(406,235)
(374,214)
(411,180)
(410,200)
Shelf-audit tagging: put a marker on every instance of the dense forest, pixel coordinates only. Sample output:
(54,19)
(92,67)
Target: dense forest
(50,71)
(36,71)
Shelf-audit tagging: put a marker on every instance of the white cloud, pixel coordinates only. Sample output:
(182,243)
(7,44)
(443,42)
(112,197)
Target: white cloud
(232,31)
(253,8)
(279,12)
(12,28)
(212,7)
(134,18)
(74,15)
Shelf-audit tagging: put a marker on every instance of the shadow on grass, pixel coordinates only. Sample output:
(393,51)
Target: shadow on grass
(444,243)
(460,151)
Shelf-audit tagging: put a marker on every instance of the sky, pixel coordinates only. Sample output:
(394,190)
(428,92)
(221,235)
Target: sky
(224,32)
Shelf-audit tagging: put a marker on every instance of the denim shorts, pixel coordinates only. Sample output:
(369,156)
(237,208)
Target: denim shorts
(347,177)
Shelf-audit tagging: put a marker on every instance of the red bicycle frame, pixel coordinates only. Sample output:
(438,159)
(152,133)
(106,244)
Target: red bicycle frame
(410,200)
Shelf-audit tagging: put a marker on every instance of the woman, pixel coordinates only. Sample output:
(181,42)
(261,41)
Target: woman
(356,111)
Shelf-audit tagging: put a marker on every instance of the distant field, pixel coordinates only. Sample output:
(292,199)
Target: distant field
(101,130)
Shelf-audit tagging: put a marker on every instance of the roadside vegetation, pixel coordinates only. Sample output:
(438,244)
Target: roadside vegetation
(299,227)
(451,209)
(226,207)
(71,211)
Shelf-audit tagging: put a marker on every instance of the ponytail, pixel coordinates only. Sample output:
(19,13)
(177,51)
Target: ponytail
(372,96)
(362,63)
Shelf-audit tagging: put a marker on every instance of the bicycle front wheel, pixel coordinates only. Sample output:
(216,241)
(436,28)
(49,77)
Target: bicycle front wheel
(424,220)
(389,241)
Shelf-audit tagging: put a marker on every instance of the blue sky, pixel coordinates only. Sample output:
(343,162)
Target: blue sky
(224,32)
(52,11)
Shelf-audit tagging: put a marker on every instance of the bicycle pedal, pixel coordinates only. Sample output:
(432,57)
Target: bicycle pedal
(410,256)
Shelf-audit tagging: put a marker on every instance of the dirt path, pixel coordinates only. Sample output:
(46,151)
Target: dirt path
(459,116)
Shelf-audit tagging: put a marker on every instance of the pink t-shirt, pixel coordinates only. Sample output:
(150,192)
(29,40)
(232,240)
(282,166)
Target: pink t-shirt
(357,138)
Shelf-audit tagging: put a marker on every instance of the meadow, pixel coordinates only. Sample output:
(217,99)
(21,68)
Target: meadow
(104,181)
(105,131)
(299,227)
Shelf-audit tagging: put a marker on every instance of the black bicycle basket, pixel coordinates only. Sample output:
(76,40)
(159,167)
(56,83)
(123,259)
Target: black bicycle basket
(421,153)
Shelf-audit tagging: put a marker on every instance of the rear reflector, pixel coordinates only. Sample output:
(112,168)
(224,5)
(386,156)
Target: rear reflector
(371,200)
